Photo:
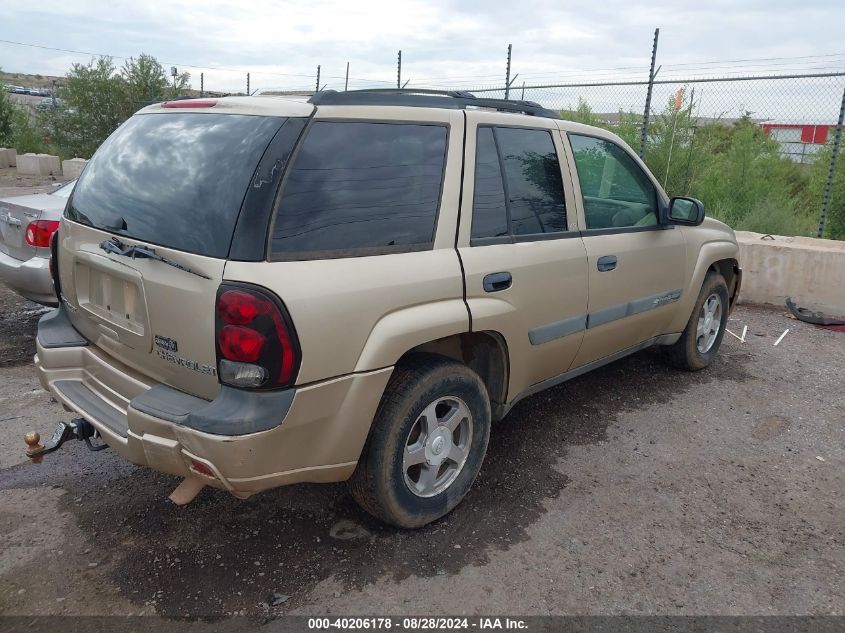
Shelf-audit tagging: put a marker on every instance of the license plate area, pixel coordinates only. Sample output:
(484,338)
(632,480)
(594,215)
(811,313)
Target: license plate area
(113,295)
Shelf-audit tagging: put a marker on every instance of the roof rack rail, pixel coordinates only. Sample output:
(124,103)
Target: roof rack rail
(425,98)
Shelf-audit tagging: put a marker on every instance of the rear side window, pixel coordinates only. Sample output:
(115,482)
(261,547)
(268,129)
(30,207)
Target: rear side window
(358,188)
(176,179)
(518,185)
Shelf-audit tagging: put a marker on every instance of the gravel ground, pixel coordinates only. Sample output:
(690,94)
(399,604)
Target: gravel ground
(636,489)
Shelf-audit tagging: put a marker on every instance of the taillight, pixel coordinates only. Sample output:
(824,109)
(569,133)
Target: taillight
(38,233)
(256,342)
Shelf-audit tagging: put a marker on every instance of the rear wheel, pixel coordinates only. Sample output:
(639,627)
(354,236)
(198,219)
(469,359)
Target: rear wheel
(704,331)
(426,444)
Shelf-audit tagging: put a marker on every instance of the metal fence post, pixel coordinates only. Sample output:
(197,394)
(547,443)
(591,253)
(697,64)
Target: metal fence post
(508,74)
(399,70)
(837,142)
(317,89)
(202,84)
(346,85)
(644,131)
(247,84)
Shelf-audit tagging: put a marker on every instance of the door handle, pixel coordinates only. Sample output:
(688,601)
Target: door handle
(606,262)
(13,221)
(494,282)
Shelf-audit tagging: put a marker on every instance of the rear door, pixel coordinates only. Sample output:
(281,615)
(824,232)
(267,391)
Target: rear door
(173,183)
(637,268)
(522,253)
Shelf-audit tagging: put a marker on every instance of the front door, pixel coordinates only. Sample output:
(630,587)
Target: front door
(636,266)
(524,261)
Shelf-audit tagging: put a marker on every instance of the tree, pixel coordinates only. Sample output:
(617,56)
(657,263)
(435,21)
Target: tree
(146,82)
(6,114)
(97,98)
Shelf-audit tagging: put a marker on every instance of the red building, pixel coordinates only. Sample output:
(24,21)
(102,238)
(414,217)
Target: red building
(799,141)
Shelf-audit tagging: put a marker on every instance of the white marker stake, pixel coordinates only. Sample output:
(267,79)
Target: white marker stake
(734,335)
(780,338)
(744,331)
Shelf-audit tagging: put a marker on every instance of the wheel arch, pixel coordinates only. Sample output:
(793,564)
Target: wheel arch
(720,256)
(484,352)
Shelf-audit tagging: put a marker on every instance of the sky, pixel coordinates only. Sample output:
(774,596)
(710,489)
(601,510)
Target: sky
(444,43)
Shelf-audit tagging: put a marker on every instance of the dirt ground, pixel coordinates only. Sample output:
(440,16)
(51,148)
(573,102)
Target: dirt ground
(636,489)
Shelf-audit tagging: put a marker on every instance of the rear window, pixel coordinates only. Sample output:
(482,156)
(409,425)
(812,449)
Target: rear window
(176,180)
(359,188)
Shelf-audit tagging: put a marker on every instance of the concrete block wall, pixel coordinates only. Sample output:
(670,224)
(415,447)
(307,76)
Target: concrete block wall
(71,168)
(29,165)
(50,164)
(39,165)
(8,157)
(809,270)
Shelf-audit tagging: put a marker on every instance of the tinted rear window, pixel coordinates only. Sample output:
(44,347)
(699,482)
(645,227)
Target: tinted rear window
(175,180)
(361,188)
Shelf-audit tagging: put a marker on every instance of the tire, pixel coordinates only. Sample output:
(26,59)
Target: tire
(390,482)
(695,350)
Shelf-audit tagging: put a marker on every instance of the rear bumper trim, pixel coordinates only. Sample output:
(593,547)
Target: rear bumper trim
(93,406)
(55,330)
(232,412)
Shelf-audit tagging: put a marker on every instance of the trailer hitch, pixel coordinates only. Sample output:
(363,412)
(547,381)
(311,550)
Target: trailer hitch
(79,428)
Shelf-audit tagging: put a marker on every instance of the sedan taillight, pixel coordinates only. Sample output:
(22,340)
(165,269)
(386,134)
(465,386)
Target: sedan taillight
(38,233)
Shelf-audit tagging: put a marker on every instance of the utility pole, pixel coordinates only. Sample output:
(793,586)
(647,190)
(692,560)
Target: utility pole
(508,74)
(346,85)
(317,89)
(647,112)
(399,71)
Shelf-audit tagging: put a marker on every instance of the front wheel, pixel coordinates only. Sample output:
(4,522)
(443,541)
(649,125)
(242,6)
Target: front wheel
(704,331)
(426,445)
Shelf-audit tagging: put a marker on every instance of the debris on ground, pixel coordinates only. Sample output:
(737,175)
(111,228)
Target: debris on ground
(817,317)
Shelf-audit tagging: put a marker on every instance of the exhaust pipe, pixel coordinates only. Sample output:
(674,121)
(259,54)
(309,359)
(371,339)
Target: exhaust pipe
(186,491)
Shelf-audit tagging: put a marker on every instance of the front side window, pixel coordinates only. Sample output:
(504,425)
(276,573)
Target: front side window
(358,188)
(616,191)
(518,185)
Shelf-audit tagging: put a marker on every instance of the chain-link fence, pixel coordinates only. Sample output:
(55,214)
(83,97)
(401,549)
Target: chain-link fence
(759,150)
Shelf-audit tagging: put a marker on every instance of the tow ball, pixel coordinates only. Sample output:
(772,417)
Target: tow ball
(79,428)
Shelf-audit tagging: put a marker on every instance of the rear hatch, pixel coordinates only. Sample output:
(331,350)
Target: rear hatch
(146,235)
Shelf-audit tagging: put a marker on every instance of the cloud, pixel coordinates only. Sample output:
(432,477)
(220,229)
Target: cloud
(443,41)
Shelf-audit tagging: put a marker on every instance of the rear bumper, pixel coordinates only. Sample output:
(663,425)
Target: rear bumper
(30,278)
(318,439)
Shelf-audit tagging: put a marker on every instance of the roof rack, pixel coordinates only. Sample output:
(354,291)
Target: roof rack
(423,98)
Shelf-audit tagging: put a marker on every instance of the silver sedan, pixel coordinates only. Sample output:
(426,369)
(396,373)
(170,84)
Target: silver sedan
(26,225)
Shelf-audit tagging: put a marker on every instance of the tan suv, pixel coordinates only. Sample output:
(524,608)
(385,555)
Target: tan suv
(260,291)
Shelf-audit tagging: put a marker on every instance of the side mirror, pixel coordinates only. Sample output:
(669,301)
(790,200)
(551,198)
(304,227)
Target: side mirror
(688,211)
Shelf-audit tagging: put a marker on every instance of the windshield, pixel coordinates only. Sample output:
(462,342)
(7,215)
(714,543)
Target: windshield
(176,180)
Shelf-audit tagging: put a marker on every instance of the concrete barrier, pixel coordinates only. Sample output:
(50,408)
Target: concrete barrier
(71,168)
(29,165)
(51,164)
(8,157)
(809,270)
